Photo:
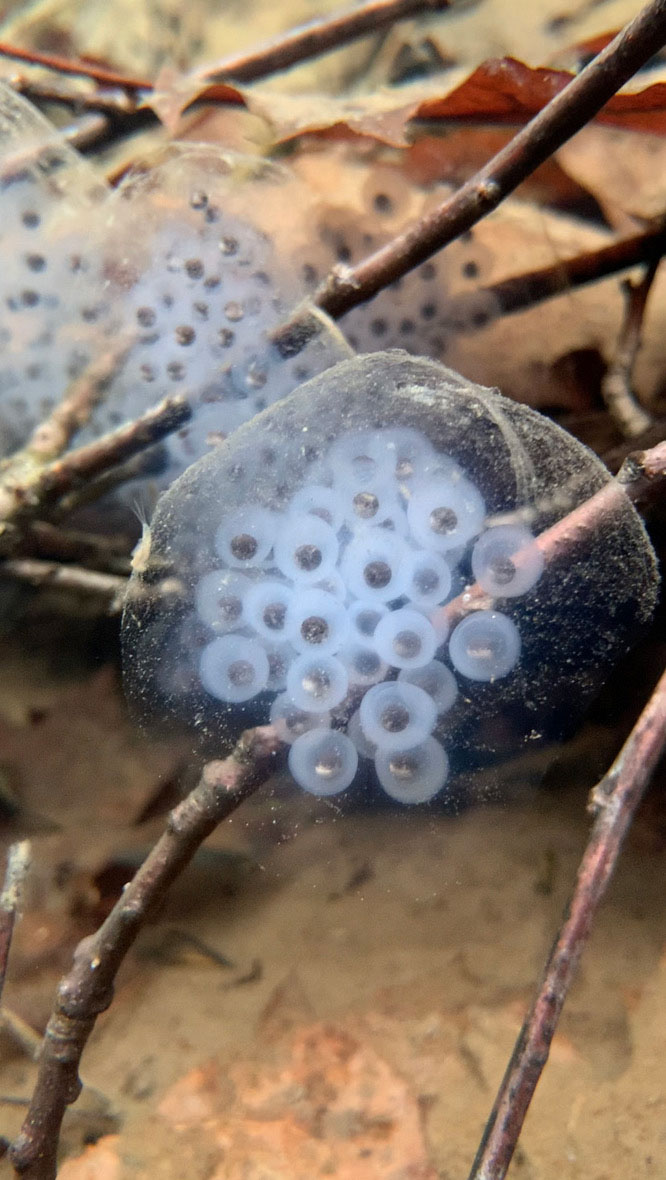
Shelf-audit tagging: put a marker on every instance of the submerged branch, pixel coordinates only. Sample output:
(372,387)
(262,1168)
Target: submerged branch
(87,989)
(613,801)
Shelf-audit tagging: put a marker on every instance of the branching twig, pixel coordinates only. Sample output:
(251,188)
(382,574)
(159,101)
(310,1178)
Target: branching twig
(80,69)
(73,411)
(27,488)
(570,110)
(18,863)
(614,802)
(616,387)
(88,988)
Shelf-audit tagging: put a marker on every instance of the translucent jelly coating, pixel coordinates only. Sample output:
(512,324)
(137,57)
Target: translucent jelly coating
(245,538)
(363,619)
(427,578)
(219,597)
(435,679)
(402,451)
(317,683)
(406,639)
(290,721)
(280,656)
(266,609)
(374,502)
(372,565)
(485,646)
(444,514)
(353,460)
(365,748)
(306,548)
(316,622)
(415,775)
(323,762)
(506,561)
(317,500)
(364,664)
(234,668)
(397,716)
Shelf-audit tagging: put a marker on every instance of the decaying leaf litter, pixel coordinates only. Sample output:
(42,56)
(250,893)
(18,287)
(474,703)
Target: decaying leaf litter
(313,1002)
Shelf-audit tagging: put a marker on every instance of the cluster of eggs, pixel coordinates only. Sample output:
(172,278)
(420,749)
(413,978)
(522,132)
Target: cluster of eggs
(180,276)
(336,604)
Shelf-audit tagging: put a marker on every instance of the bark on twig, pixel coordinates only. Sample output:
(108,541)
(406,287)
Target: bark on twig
(72,578)
(613,801)
(18,864)
(87,990)
(617,385)
(317,37)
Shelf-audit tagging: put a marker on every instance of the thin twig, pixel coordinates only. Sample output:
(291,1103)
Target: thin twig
(616,387)
(88,988)
(18,864)
(641,479)
(72,578)
(613,802)
(473,310)
(563,116)
(317,37)
(27,489)
(96,551)
(80,69)
(73,411)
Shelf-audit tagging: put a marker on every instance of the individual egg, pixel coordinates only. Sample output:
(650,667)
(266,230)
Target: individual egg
(316,621)
(306,548)
(397,716)
(506,561)
(372,565)
(323,762)
(445,513)
(220,598)
(406,639)
(266,608)
(321,501)
(427,578)
(363,619)
(485,646)
(363,663)
(234,668)
(245,538)
(317,683)
(415,775)
(435,679)
(291,722)
(374,502)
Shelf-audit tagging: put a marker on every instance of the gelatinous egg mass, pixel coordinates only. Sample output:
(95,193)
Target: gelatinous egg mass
(168,276)
(380,566)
